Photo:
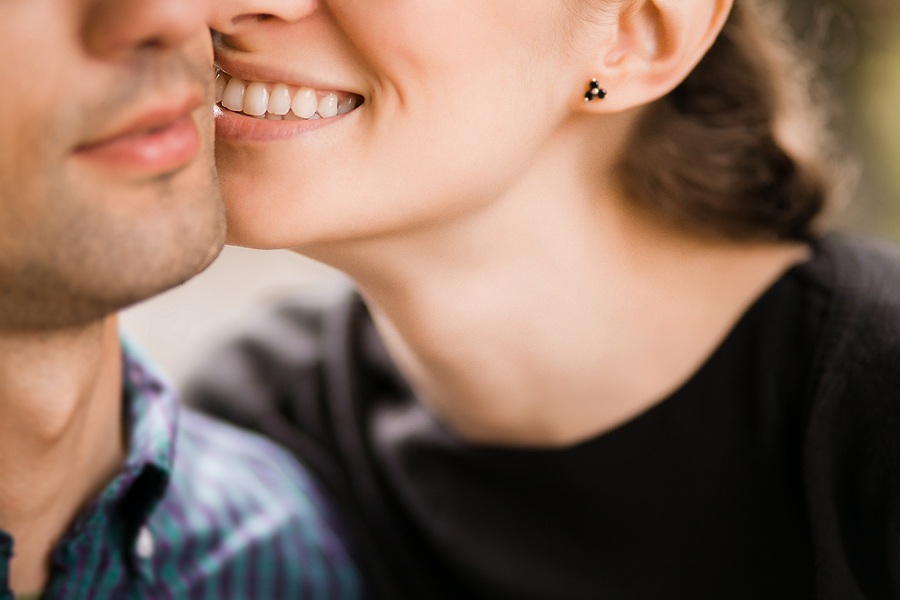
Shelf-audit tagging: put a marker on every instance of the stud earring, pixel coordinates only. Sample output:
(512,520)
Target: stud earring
(595,92)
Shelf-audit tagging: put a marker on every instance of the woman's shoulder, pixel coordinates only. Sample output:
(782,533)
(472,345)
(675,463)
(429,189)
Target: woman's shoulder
(866,271)
(852,439)
(861,337)
(856,373)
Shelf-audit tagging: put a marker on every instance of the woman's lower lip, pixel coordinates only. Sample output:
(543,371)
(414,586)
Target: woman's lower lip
(150,153)
(237,127)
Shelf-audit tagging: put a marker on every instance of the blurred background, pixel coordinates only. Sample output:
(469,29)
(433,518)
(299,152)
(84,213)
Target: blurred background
(855,43)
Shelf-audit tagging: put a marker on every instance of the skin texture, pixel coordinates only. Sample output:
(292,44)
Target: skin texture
(475,199)
(78,241)
(82,236)
(430,99)
(479,91)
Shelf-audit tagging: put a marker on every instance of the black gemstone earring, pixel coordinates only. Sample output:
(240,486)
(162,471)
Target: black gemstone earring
(595,92)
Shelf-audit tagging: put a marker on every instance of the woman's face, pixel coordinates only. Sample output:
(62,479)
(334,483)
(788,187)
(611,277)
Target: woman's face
(448,100)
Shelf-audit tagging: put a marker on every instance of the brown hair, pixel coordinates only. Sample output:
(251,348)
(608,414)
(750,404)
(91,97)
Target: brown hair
(736,150)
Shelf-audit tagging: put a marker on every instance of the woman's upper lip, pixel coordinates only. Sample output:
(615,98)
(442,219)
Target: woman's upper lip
(155,114)
(247,71)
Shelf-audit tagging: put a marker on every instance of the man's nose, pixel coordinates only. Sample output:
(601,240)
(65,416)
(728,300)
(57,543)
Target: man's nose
(121,27)
(228,16)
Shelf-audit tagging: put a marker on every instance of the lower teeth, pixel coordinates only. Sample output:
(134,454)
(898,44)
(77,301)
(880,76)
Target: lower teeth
(290,116)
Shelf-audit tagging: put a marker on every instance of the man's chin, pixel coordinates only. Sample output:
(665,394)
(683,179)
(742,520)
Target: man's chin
(57,301)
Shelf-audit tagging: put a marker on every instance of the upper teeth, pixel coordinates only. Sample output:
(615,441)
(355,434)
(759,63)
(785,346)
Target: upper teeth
(280,101)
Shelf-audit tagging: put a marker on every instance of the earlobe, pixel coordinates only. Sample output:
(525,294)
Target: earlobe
(655,46)
(594,92)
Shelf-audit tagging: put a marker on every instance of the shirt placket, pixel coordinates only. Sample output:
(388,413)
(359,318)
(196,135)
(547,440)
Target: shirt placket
(6,552)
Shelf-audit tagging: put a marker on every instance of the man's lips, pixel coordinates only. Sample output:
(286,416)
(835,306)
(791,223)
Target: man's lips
(155,142)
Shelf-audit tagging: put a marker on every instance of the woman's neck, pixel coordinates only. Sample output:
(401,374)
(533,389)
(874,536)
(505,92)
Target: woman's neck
(556,313)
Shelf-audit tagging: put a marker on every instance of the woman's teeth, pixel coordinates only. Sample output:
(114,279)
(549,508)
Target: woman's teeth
(277,101)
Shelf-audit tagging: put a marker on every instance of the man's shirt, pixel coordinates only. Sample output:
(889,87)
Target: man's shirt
(201,510)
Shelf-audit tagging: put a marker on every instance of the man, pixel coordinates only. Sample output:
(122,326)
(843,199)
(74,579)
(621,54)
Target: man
(108,196)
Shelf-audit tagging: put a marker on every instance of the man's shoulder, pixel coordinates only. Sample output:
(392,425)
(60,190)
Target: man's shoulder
(245,466)
(239,504)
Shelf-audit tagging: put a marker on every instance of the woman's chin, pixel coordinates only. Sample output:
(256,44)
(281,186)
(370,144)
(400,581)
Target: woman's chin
(251,233)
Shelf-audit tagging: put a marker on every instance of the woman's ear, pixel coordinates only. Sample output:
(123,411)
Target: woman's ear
(653,47)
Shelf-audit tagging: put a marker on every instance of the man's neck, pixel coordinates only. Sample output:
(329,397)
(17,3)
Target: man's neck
(61,436)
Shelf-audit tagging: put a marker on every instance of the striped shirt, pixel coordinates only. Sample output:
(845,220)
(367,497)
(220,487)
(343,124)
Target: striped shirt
(201,510)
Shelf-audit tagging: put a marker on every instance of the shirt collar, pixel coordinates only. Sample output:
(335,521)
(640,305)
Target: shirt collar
(151,418)
(152,410)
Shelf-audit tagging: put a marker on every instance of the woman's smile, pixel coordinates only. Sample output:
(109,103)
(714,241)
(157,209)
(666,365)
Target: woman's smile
(248,110)
(328,110)
(279,101)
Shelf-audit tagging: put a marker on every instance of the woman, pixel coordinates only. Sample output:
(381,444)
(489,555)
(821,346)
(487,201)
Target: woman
(619,361)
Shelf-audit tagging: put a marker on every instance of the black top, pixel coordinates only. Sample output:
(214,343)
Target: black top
(774,472)
(700,497)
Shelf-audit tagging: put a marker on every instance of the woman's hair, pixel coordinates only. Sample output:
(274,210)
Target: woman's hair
(739,149)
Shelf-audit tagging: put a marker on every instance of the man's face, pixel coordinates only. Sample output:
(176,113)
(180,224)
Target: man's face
(108,191)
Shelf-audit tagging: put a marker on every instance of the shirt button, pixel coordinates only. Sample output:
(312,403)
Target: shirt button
(144,547)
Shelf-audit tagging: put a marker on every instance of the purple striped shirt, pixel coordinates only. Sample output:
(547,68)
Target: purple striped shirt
(201,510)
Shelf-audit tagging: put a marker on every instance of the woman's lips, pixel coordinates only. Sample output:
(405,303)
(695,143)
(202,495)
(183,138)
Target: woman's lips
(156,143)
